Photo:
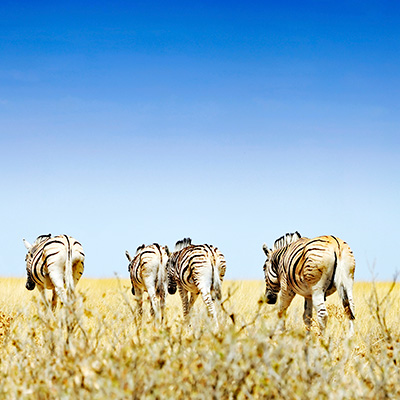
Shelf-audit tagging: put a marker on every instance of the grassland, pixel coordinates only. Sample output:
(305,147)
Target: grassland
(95,350)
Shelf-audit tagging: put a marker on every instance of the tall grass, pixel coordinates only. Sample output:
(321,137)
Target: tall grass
(94,350)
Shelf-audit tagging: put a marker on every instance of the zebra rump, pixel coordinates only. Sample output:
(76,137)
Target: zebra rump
(148,273)
(196,270)
(55,263)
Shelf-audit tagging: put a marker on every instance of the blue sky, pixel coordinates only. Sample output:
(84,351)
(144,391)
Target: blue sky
(125,123)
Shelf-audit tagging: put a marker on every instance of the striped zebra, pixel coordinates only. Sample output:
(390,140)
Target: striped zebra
(198,269)
(148,273)
(313,268)
(54,263)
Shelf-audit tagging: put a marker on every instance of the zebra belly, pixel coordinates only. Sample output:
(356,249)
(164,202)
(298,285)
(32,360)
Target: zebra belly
(306,290)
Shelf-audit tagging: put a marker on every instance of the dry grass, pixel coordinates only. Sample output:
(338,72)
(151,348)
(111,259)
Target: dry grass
(95,350)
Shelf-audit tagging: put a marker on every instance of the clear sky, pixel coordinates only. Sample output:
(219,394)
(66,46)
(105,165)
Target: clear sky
(124,123)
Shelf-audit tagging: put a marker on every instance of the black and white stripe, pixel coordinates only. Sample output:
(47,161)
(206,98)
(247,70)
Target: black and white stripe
(196,269)
(148,273)
(312,268)
(54,263)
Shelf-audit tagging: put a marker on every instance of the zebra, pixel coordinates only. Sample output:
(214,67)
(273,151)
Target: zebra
(313,268)
(198,269)
(148,273)
(54,263)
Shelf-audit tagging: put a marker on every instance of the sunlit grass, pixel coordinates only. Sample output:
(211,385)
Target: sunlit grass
(95,350)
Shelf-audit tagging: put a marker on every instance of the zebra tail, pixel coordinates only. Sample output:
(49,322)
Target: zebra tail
(216,283)
(160,278)
(344,278)
(69,278)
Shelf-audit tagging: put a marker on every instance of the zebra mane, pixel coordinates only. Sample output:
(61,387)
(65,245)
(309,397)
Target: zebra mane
(41,238)
(181,244)
(285,240)
(141,247)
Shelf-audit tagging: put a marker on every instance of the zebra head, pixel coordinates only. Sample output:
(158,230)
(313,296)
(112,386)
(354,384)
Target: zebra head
(171,272)
(30,284)
(271,277)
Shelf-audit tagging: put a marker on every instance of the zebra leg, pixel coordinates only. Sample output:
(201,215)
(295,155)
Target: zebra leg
(43,294)
(150,282)
(58,282)
(139,303)
(307,316)
(185,303)
(54,301)
(284,302)
(318,299)
(193,298)
(154,309)
(162,304)
(206,295)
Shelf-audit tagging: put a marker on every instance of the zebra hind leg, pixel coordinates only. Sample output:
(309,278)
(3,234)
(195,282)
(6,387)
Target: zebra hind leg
(139,305)
(318,299)
(54,301)
(154,306)
(206,295)
(58,282)
(43,294)
(185,303)
(162,304)
(307,316)
(193,298)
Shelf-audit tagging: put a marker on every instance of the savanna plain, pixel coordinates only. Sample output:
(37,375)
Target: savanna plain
(96,349)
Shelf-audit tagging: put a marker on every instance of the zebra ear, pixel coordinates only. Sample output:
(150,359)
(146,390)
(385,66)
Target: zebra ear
(27,244)
(167,250)
(128,256)
(266,250)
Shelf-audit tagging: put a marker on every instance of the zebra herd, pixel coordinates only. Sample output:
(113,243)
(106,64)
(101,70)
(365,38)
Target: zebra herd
(312,268)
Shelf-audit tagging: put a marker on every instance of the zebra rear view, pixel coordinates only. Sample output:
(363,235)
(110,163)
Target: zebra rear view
(313,268)
(198,269)
(148,274)
(54,263)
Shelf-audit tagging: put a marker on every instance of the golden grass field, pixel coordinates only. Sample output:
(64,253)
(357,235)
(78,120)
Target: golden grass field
(95,350)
